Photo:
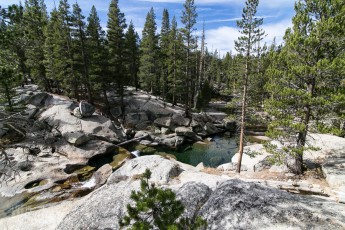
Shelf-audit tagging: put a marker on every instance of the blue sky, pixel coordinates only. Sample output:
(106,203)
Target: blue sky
(219,15)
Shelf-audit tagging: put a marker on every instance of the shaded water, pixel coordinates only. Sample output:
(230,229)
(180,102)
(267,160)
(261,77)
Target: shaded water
(214,153)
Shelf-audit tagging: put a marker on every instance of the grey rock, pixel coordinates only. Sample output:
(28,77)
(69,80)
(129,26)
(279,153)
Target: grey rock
(77,113)
(158,130)
(184,131)
(333,170)
(179,120)
(145,142)
(163,122)
(233,204)
(76,138)
(164,131)
(229,125)
(39,99)
(3,130)
(171,140)
(98,126)
(101,175)
(142,134)
(200,166)
(262,165)
(103,209)
(193,196)
(31,113)
(162,169)
(86,109)
(239,205)
(133,119)
(210,128)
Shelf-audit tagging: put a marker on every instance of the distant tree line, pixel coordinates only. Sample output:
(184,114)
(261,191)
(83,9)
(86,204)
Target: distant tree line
(64,52)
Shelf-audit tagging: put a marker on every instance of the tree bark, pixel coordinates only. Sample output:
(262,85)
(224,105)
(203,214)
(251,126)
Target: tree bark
(244,102)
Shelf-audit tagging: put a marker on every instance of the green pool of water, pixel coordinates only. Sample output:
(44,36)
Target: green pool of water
(212,153)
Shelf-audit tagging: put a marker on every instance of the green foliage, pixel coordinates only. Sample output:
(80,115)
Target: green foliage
(157,208)
(117,47)
(132,56)
(188,19)
(164,52)
(149,71)
(35,22)
(175,64)
(303,79)
(10,74)
(96,43)
(205,95)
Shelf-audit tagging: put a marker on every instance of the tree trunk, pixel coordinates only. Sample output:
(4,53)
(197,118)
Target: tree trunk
(244,102)
(297,166)
(106,98)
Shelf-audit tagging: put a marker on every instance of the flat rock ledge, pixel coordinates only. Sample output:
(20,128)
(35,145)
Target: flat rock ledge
(223,202)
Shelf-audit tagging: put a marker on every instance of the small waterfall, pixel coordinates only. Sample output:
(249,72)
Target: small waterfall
(136,153)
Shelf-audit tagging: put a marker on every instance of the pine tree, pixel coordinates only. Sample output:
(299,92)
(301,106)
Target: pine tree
(66,62)
(149,68)
(164,45)
(52,50)
(96,43)
(251,34)
(175,64)
(35,17)
(157,208)
(117,48)
(80,49)
(306,80)
(188,19)
(9,64)
(132,47)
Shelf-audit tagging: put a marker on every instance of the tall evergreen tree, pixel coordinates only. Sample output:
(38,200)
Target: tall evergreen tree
(133,54)
(306,77)
(35,16)
(9,60)
(175,64)
(66,60)
(188,19)
(117,48)
(80,49)
(245,45)
(164,45)
(149,68)
(52,50)
(96,43)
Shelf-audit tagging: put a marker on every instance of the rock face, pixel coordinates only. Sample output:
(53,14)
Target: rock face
(97,126)
(232,204)
(76,138)
(86,109)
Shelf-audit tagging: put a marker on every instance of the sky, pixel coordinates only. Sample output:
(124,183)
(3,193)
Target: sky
(219,16)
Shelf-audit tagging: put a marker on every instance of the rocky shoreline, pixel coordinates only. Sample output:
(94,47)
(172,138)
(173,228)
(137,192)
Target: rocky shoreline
(73,151)
(58,157)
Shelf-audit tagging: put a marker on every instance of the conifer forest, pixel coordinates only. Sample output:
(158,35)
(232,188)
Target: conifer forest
(298,82)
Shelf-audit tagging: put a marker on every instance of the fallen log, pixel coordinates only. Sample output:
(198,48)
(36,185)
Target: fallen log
(132,140)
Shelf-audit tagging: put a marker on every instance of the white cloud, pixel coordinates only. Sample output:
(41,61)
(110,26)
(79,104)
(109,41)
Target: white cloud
(223,38)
